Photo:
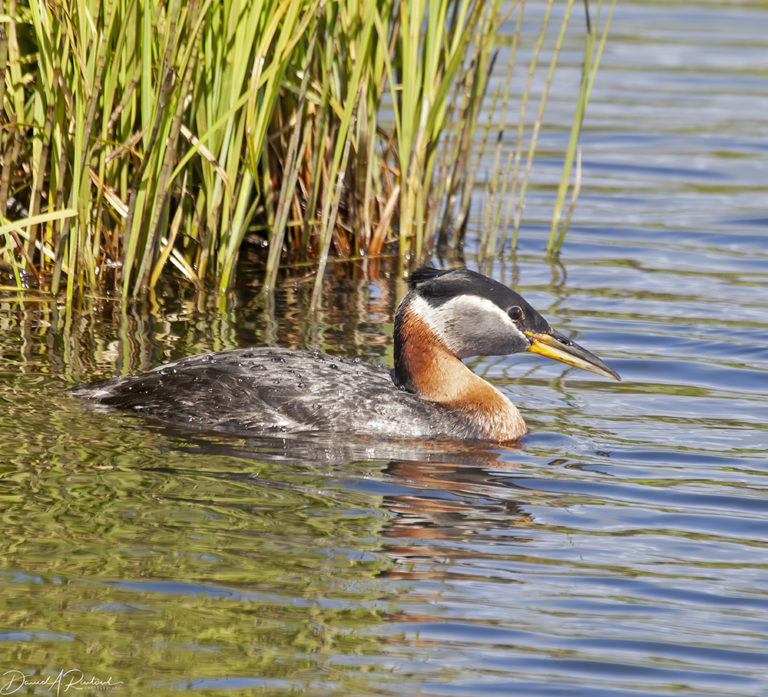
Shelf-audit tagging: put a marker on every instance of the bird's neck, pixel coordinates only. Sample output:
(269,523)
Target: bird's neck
(425,366)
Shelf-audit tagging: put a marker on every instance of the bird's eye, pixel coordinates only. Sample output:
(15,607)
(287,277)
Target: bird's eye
(515,313)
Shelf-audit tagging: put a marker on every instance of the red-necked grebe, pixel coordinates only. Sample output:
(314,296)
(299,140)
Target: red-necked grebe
(430,394)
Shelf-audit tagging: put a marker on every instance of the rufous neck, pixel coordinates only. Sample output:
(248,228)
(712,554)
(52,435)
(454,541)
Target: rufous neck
(425,366)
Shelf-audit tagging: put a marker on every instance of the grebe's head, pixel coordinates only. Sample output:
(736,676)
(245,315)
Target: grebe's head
(473,315)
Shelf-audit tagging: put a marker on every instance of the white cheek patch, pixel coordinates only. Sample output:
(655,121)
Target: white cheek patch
(466,322)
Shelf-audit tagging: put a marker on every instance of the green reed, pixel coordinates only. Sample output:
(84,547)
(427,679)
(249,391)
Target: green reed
(139,140)
(593,50)
(508,184)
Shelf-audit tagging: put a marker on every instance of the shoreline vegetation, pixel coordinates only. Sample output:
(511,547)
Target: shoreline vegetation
(140,141)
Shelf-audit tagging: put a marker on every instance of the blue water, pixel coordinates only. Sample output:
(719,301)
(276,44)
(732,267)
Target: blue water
(621,550)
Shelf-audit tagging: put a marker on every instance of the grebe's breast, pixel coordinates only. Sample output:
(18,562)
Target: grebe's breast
(275,390)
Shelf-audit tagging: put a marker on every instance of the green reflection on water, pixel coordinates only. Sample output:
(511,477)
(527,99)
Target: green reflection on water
(157,566)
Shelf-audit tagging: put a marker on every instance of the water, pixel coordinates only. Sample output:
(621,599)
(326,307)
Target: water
(622,550)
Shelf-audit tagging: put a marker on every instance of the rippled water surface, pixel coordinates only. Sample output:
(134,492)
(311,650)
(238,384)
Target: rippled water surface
(621,550)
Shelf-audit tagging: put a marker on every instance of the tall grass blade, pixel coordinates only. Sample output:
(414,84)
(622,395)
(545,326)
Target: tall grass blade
(592,57)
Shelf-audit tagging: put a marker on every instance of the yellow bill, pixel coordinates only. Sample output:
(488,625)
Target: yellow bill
(564,350)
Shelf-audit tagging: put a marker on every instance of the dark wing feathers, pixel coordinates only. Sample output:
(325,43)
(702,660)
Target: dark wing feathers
(271,390)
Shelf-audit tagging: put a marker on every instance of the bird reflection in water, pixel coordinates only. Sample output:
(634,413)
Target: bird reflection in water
(448,502)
